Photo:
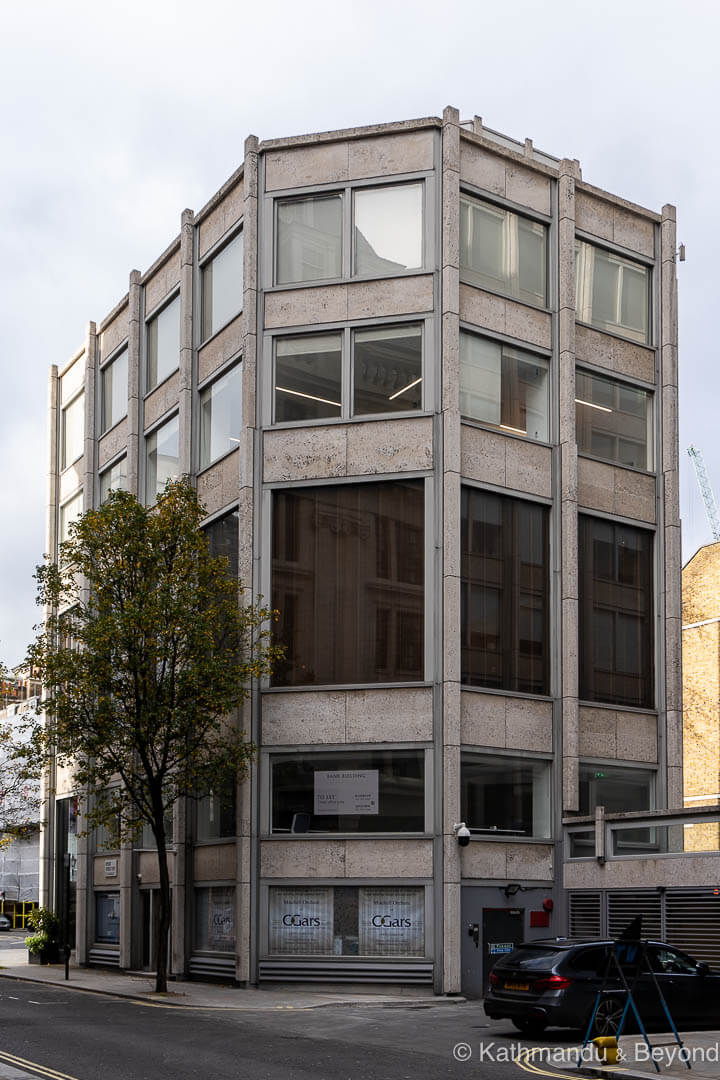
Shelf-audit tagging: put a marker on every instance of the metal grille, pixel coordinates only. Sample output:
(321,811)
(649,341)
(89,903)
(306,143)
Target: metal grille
(623,906)
(321,971)
(99,957)
(693,923)
(585,915)
(212,967)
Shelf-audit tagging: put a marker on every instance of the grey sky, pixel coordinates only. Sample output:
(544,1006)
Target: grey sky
(116,116)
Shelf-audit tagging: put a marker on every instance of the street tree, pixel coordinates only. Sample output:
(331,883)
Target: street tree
(19,796)
(146,654)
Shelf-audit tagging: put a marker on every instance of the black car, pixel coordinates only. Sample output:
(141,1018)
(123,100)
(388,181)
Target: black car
(554,983)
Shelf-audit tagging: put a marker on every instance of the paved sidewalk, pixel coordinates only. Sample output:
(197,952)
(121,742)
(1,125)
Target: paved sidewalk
(200,995)
(702,1048)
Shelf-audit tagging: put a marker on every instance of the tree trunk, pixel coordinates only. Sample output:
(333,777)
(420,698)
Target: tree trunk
(161,945)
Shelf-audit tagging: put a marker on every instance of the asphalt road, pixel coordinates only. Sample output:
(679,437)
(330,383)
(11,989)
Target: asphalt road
(93,1037)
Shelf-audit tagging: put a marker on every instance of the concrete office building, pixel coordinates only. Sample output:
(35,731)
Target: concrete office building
(425,377)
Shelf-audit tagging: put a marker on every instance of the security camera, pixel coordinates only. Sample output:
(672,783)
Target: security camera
(462,833)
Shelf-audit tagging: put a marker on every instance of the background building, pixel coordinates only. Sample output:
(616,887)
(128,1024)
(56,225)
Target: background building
(426,379)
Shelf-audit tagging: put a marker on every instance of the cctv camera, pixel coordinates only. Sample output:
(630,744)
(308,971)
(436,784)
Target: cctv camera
(462,833)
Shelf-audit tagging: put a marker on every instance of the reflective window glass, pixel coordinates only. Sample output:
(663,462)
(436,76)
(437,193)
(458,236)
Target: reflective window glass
(114,391)
(505,796)
(308,380)
(612,292)
(162,460)
(113,479)
(504,386)
(222,287)
(308,239)
(501,251)
(388,233)
(163,344)
(613,420)
(220,416)
(73,431)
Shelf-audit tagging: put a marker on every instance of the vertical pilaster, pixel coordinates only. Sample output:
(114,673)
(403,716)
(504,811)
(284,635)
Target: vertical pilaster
(186,342)
(180,875)
(449,528)
(568,172)
(90,442)
(135,383)
(125,881)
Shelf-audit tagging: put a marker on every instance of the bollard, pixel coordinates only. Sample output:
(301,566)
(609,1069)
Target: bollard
(607,1049)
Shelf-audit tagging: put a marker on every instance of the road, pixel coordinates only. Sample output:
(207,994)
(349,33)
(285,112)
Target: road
(52,1032)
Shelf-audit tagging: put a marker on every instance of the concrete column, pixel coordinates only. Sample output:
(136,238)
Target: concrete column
(447,857)
(568,173)
(90,442)
(669,464)
(125,881)
(135,382)
(83,891)
(187,232)
(180,879)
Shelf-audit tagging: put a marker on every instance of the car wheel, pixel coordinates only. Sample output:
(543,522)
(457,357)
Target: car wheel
(608,1016)
(530,1027)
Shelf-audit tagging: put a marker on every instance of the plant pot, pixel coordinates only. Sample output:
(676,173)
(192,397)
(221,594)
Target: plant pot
(49,955)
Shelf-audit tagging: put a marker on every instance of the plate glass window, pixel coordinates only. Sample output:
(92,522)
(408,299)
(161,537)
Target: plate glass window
(505,591)
(73,431)
(504,386)
(162,460)
(308,377)
(223,538)
(215,919)
(70,512)
(308,239)
(163,344)
(388,232)
(114,391)
(107,917)
(348,581)
(502,251)
(387,369)
(505,796)
(215,816)
(113,479)
(612,292)
(361,791)
(222,287)
(616,613)
(220,416)
(613,420)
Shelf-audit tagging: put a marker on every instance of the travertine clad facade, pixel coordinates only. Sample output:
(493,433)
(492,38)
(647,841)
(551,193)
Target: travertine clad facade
(433,375)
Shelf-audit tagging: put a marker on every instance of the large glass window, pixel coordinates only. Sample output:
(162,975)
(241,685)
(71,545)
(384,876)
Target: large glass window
(616,787)
(616,613)
(346,920)
(113,479)
(222,287)
(220,416)
(107,917)
(353,791)
(612,293)
(388,233)
(215,919)
(162,458)
(348,581)
(308,239)
(163,344)
(308,377)
(613,420)
(73,431)
(223,539)
(503,386)
(505,639)
(505,796)
(215,816)
(114,391)
(387,369)
(69,512)
(502,251)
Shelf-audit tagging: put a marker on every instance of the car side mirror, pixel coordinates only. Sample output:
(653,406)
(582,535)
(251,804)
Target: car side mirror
(702,968)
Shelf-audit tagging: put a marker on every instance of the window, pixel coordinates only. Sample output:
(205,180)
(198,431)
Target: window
(385,373)
(616,613)
(223,539)
(616,787)
(162,458)
(222,286)
(611,292)
(387,234)
(216,813)
(163,344)
(220,416)
(113,479)
(504,593)
(503,386)
(348,581)
(215,919)
(613,420)
(73,431)
(362,791)
(107,917)
(505,795)
(502,251)
(70,512)
(113,391)
(346,920)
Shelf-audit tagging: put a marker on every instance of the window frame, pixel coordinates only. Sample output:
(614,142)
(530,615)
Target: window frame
(631,384)
(472,193)
(203,388)
(207,258)
(103,368)
(173,414)
(78,494)
(347,332)
(512,757)
(624,256)
(148,319)
(107,467)
(345,189)
(65,462)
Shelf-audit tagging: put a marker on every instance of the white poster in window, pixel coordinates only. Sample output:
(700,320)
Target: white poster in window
(351,791)
(221,919)
(301,920)
(391,922)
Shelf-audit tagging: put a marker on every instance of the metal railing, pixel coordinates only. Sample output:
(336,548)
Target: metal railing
(639,834)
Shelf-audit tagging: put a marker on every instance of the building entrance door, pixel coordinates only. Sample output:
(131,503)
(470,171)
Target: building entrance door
(487,934)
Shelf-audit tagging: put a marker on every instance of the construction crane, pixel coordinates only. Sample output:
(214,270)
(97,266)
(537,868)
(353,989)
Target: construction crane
(706,491)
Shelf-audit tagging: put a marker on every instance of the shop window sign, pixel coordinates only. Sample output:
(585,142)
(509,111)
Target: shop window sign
(352,791)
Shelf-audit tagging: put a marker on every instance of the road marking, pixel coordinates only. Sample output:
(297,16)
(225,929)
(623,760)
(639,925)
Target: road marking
(42,1070)
(216,1008)
(523,1062)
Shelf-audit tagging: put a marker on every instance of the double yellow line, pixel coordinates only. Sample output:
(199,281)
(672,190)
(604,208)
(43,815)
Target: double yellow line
(523,1062)
(41,1070)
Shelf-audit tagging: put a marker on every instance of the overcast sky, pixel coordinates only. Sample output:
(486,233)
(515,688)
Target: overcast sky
(117,115)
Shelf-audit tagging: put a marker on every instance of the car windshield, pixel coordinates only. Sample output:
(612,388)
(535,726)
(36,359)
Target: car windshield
(533,957)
